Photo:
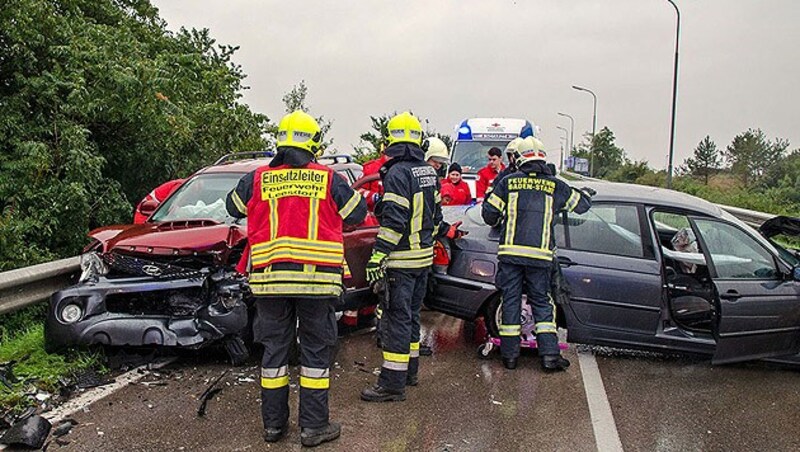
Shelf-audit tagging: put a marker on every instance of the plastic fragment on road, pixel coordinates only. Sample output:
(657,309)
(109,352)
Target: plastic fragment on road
(30,432)
(209,393)
(64,427)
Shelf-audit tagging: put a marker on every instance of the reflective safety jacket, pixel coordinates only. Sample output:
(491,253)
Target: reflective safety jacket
(410,212)
(294,229)
(529,200)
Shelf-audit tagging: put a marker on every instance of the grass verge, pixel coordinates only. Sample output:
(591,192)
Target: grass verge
(22,341)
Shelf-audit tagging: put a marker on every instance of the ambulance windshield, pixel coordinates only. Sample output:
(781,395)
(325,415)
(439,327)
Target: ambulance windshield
(472,155)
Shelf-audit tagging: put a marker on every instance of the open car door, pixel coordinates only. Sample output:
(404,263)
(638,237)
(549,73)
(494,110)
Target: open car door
(757,307)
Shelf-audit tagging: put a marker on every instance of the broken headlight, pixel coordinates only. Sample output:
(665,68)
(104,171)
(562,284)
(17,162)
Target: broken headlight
(92,267)
(71,313)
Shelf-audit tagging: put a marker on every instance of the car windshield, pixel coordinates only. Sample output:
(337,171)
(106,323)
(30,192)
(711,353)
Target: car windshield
(471,155)
(201,198)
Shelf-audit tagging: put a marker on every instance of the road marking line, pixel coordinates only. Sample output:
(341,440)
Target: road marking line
(606,436)
(89,397)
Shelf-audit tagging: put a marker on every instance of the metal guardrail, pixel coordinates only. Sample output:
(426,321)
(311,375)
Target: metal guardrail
(29,285)
(751,217)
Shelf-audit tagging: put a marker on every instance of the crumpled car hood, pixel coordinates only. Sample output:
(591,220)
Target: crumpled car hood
(172,238)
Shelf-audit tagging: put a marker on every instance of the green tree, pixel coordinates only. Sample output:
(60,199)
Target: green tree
(608,157)
(630,172)
(99,103)
(373,140)
(751,155)
(705,161)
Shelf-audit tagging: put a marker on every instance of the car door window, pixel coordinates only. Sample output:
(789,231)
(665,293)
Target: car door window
(607,229)
(679,245)
(734,253)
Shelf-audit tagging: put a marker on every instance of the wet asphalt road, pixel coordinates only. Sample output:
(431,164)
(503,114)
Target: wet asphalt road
(659,402)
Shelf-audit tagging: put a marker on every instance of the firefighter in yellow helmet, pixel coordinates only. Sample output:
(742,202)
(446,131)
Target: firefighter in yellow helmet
(295,209)
(410,215)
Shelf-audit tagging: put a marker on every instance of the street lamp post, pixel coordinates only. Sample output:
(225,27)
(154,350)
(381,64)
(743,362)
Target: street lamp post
(594,124)
(566,138)
(571,133)
(674,94)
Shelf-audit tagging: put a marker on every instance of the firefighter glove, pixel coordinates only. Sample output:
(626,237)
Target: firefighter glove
(454,233)
(376,267)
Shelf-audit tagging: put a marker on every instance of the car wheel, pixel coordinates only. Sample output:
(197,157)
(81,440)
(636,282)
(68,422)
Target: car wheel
(237,350)
(493,316)
(485,350)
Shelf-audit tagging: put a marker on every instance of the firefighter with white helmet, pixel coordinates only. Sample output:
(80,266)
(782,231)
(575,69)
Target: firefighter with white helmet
(437,155)
(525,204)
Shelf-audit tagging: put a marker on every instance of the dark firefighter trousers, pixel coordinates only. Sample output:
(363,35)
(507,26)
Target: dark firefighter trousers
(399,328)
(535,281)
(275,327)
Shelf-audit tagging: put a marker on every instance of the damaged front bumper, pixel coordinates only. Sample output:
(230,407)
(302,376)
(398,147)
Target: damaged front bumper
(139,311)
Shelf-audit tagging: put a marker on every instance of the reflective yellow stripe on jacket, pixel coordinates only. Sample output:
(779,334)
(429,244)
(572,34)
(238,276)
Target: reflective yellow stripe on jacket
(297,248)
(419,258)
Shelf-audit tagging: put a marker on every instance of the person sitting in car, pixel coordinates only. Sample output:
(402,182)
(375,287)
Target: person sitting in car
(684,241)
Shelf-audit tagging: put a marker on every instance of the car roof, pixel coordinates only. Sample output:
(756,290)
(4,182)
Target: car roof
(248,165)
(654,196)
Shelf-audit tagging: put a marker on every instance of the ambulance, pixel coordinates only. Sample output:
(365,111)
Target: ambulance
(475,136)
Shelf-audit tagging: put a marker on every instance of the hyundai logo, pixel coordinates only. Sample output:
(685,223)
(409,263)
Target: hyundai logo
(151,270)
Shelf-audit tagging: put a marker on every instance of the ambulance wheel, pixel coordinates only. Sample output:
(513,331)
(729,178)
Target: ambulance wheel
(484,350)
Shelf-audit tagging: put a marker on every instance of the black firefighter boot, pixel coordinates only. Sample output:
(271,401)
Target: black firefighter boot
(377,393)
(510,363)
(312,437)
(274,434)
(554,363)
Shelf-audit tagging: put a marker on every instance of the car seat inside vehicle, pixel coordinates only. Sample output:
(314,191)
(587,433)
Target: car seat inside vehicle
(689,286)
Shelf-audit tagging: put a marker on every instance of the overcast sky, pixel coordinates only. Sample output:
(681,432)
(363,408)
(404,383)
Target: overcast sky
(449,60)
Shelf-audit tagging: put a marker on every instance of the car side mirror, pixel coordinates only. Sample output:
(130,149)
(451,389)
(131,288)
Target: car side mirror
(147,208)
(796,273)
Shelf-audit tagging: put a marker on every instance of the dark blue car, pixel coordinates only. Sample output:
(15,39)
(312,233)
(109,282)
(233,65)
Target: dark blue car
(647,268)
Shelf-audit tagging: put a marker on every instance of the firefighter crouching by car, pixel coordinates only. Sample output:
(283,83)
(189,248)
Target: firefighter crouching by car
(409,215)
(526,202)
(295,209)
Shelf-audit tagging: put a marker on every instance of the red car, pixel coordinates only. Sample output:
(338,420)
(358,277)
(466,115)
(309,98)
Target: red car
(171,281)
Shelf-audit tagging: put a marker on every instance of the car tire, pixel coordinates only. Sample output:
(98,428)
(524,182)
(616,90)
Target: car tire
(237,350)
(493,314)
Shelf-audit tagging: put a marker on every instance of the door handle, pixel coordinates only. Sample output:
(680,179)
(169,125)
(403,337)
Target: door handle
(731,295)
(565,261)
